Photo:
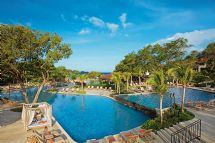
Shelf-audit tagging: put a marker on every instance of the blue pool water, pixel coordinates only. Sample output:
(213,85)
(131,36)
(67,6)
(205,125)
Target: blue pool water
(152,100)
(90,117)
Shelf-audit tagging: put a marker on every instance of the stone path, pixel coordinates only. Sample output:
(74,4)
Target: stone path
(13,133)
(207,127)
(208,124)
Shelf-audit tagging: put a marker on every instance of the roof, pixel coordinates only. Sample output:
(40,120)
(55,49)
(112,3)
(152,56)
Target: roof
(106,76)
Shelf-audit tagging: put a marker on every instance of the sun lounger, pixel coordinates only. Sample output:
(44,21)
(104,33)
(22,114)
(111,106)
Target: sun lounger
(59,139)
(144,135)
(199,105)
(110,139)
(209,105)
(33,139)
(129,137)
(189,104)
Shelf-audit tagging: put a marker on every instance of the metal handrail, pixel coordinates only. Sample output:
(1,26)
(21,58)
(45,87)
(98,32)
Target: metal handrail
(187,133)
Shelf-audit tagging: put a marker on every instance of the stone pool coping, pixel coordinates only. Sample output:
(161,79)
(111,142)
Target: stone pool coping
(64,132)
(202,89)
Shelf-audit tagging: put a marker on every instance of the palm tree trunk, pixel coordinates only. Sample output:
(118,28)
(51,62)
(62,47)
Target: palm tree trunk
(127,85)
(183,97)
(161,108)
(139,80)
(119,88)
(131,80)
(82,86)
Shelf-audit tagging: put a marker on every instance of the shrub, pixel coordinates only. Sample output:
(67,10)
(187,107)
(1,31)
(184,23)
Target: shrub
(151,124)
(170,118)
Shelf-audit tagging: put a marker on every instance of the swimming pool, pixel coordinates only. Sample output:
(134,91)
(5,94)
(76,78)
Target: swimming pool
(152,100)
(90,117)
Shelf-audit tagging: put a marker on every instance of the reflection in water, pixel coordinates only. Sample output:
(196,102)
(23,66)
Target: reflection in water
(73,98)
(17,95)
(83,103)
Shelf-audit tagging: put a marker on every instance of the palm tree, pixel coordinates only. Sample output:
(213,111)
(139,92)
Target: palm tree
(126,77)
(172,75)
(184,74)
(81,79)
(117,78)
(157,79)
(139,74)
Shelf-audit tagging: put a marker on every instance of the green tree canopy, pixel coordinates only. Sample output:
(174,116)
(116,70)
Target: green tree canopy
(27,52)
(94,74)
(154,57)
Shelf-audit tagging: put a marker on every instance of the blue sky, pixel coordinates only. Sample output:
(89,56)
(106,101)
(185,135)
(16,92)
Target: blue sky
(102,32)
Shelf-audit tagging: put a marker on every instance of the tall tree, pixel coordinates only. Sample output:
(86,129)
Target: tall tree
(184,74)
(154,57)
(28,52)
(117,78)
(81,79)
(126,77)
(59,73)
(157,79)
(209,54)
(139,73)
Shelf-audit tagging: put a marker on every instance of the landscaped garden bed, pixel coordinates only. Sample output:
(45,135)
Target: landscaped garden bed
(170,118)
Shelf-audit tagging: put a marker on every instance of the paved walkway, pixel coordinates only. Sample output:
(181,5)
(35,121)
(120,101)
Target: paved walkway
(12,129)
(208,124)
(13,133)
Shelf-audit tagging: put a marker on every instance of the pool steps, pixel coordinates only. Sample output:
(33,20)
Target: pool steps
(165,134)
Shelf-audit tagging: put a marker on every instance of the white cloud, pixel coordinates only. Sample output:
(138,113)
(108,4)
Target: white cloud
(123,19)
(112,27)
(84,18)
(63,17)
(199,39)
(84,31)
(96,21)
